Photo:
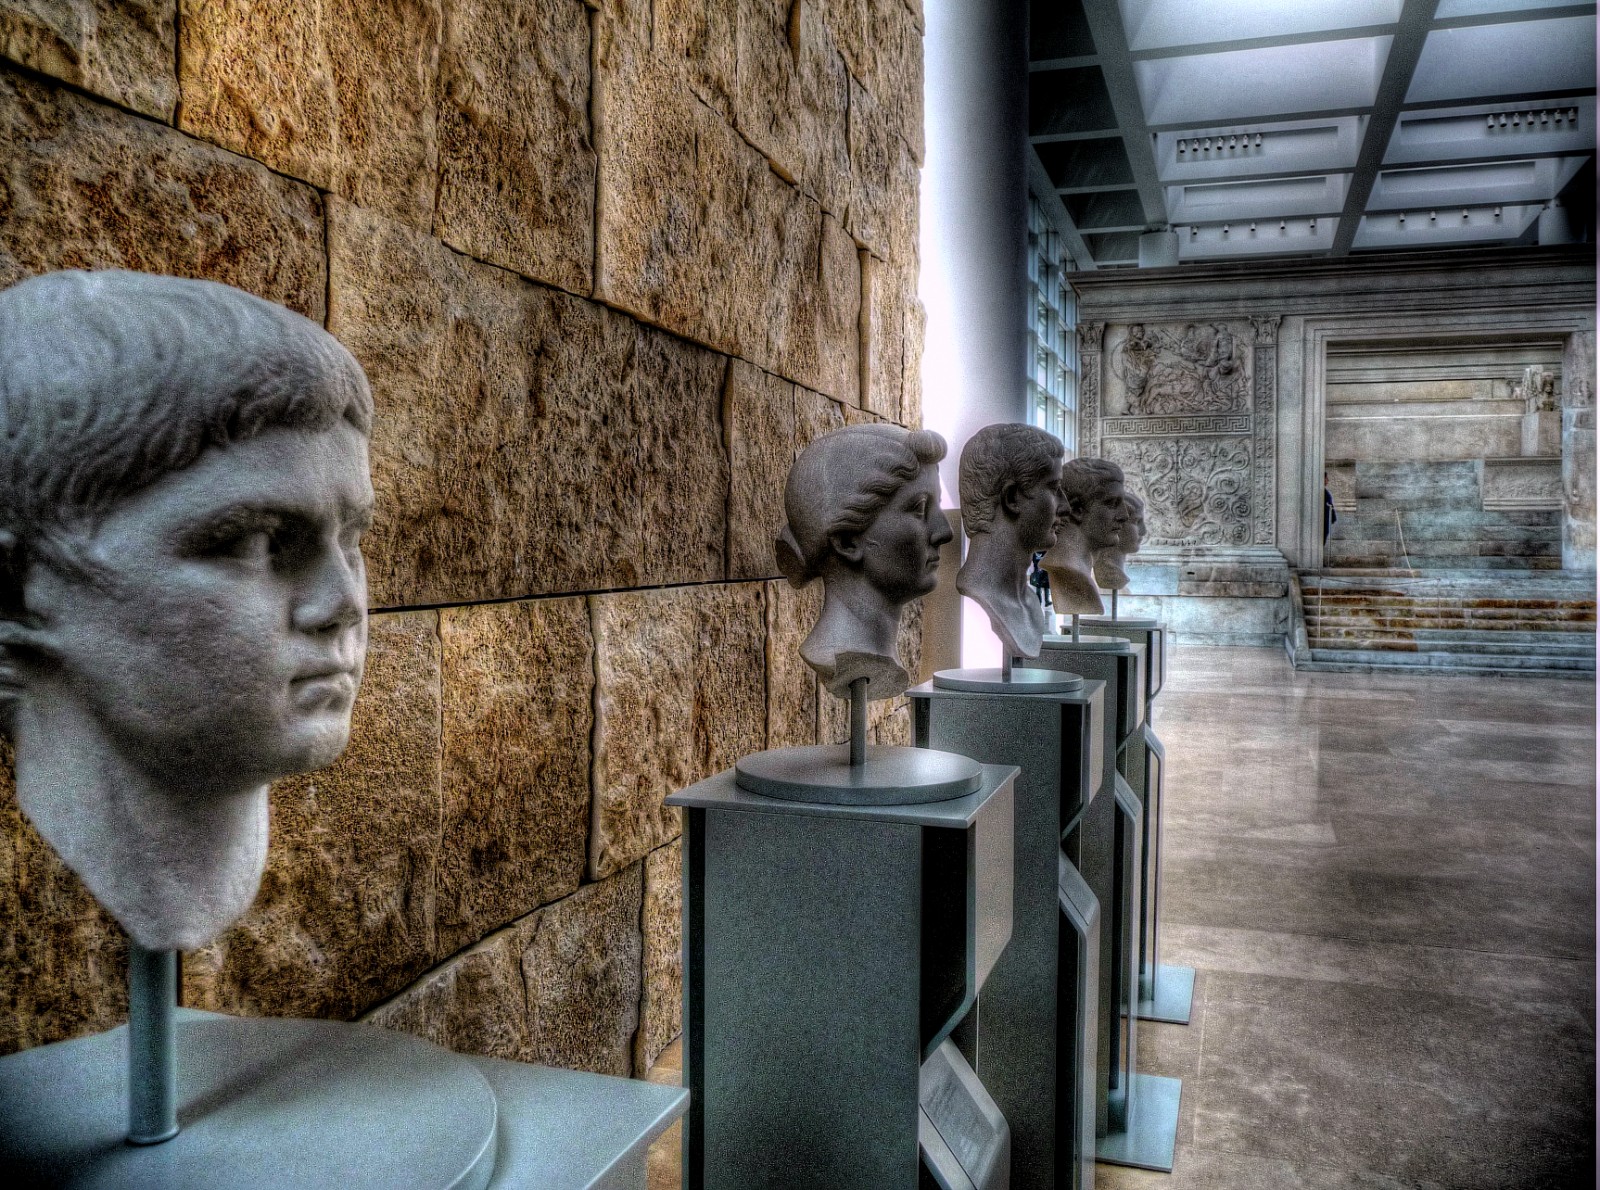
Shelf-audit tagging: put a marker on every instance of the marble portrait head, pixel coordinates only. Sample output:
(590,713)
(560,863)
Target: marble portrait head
(183,489)
(1110,563)
(1010,503)
(862,504)
(1093,517)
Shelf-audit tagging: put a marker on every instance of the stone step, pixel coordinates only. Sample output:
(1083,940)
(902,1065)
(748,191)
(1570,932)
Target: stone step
(1453,660)
(1377,664)
(1499,630)
(1487,608)
(1467,647)
(1533,636)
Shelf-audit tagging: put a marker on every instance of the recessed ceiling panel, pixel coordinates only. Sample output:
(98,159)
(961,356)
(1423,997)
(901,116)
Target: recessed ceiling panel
(1481,182)
(1078,163)
(1302,147)
(1218,202)
(1267,239)
(1521,58)
(1269,83)
(1068,102)
(1475,8)
(1485,131)
(1163,24)
(1444,228)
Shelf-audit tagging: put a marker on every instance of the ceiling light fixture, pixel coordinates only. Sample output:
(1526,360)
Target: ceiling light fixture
(1258,140)
(1497,212)
(1463,212)
(1283,225)
(1433,216)
(1402,218)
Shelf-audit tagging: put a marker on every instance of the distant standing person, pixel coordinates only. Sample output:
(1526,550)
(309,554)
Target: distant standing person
(1329,514)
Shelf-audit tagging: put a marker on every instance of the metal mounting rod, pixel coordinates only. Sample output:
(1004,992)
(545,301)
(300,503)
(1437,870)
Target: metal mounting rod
(152,1045)
(858,722)
(1075,636)
(1113,603)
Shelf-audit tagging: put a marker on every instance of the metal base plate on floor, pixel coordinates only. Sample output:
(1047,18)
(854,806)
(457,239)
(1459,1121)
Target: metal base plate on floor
(1174,998)
(1152,1126)
(891,776)
(1019,681)
(303,1103)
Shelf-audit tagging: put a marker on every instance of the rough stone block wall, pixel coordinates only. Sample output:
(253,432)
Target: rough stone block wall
(609,266)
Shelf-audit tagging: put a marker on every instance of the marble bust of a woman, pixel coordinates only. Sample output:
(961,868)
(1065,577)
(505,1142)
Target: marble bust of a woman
(863,513)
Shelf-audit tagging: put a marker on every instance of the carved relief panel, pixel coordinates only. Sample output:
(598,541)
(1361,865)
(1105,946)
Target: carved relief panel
(1188,410)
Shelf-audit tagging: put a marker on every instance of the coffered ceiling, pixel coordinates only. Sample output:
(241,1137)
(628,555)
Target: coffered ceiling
(1313,127)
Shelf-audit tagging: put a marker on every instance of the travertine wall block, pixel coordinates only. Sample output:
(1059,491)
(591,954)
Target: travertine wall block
(84,185)
(758,413)
(526,441)
(881,41)
(681,695)
(884,180)
(339,93)
(122,50)
(345,915)
(792,689)
(581,966)
(516,162)
(661,1001)
(697,234)
(518,698)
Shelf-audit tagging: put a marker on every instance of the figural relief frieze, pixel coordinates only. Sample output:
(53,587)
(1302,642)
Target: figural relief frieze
(1160,371)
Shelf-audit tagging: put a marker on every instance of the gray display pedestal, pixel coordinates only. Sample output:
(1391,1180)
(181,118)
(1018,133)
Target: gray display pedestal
(1136,1115)
(830,950)
(1166,992)
(1035,1027)
(315,1104)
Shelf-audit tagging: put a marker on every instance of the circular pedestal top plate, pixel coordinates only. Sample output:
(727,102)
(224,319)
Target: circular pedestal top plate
(890,777)
(288,1103)
(1140,622)
(1088,644)
(1021,680)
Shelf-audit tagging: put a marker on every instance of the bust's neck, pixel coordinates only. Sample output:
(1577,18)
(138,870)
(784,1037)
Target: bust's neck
(174,866)
(995,576)
(855,618)
(1071,565)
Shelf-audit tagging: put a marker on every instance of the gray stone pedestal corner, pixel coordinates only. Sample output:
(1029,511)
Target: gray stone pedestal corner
(1166,991)
(183,489)
(1035,1022)
(1111,859)
(830,952)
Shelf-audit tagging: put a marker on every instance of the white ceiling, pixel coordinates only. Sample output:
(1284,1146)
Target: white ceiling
(1272,127)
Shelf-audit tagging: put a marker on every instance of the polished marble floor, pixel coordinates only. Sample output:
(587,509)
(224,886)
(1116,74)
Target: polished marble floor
(1386,885)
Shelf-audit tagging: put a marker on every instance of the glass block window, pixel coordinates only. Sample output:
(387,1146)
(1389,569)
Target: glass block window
(1052,327)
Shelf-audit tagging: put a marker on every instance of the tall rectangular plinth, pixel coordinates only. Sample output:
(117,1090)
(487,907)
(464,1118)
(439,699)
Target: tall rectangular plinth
(829,952)
(1111,836)
(1166,992)
(1035,1033)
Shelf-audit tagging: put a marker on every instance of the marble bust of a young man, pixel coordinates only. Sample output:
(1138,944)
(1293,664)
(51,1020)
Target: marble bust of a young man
(862,504)
(183,489)
(1094,514)
(1110,564)
(1010,500)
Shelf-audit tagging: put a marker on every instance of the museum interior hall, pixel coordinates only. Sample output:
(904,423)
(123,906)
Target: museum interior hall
(798,594)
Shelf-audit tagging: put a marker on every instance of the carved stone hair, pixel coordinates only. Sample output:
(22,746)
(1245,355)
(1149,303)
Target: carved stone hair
(998,456)
(840,483)
(110,380)
(1083,479)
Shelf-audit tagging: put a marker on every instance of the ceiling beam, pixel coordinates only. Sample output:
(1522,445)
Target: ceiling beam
(1043,189)
(1270,42)
(1116,64)
(1410,34)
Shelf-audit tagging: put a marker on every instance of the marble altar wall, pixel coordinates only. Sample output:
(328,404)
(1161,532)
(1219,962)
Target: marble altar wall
(609,266)
(1212,385)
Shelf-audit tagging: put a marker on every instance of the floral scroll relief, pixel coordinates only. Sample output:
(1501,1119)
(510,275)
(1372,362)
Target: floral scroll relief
(1166,370)
(1196,490)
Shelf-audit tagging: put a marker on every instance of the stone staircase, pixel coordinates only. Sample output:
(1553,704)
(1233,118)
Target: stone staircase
(1463,622)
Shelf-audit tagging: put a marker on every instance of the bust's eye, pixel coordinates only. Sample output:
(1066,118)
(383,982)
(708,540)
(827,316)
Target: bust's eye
(252,545)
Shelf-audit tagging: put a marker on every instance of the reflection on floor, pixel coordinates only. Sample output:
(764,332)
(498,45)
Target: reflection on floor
(1386,885)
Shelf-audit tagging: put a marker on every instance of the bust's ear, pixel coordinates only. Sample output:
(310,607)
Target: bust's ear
(1011,498)
(20,629)
(847,546)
